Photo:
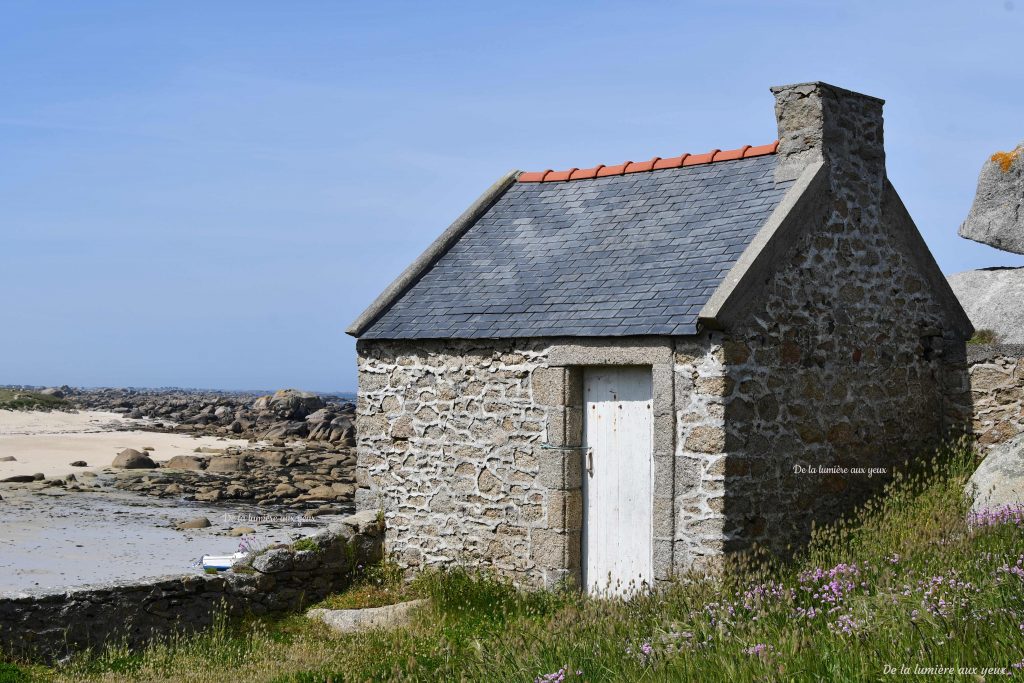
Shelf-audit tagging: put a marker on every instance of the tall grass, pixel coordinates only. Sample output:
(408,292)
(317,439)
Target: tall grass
(901,589)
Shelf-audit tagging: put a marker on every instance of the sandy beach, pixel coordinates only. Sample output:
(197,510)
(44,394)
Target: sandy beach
(53,540)
(48,443)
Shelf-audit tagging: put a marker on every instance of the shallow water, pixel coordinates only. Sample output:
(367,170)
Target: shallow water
(51,543)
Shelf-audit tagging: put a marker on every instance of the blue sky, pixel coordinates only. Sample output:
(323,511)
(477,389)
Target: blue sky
(206,194)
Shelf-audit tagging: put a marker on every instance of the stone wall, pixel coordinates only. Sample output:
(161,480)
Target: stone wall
(276,581)
(851,355)
(449,437)
(997,392)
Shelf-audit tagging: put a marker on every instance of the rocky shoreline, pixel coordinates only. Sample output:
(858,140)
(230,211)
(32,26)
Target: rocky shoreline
(300,454)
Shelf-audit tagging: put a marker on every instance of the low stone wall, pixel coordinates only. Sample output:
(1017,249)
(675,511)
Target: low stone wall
(997,391)
(279,580)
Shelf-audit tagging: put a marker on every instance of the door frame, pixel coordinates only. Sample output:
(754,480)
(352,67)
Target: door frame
(560,388)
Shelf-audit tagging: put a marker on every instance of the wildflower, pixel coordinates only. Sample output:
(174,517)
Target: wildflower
(556,677)
(996,516)
(756,649)
(646,649)
(845,624)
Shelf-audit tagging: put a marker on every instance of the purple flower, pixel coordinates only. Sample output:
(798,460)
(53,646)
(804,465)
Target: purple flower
(845,625)
(556,677)
(997,516)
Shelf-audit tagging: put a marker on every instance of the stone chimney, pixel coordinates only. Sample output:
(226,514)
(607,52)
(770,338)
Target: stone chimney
(820,122)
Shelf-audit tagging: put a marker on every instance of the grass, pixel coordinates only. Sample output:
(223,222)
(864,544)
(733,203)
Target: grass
(305,544)
(906,582)
(983,336)
(11,399)
(377,586)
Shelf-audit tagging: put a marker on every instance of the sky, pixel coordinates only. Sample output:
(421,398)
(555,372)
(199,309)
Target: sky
(206,194)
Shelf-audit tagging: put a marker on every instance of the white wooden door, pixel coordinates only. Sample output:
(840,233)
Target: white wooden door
(617,479)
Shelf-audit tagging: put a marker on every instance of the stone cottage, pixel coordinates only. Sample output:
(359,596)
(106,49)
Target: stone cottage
(620,373)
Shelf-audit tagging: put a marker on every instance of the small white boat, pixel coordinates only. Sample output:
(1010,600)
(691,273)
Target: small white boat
(221,562)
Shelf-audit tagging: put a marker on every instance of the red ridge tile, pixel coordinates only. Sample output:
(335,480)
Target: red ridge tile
(533,176)
(671,162)
(696,159)
(761,150)
(585,173)
(613,170)
(639,166)
(731,154)
(655,164)
(558,175)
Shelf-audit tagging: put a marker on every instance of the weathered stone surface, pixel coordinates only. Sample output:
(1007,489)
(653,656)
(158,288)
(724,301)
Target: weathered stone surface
(350,620)
(994,300)
(999,479)
(290,404)
(997,215)
(51,626)
(227,463)
(185,462)
(273,561)
(997,392)
(131,459)
(197,523)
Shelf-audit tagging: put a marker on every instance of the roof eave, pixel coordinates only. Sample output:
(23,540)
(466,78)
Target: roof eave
(432,253)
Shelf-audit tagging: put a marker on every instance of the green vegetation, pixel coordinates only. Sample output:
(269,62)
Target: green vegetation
(376,586)
(11,399)
(983,336)
(12,674)
(907,582)
(305,544)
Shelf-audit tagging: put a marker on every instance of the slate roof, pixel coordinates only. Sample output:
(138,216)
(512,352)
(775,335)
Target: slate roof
(628,254)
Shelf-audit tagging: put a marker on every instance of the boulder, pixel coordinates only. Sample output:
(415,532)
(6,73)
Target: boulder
(241,531)
(273,561)
(79,463)
(18,479)
(322,415)
(289,404)
(992,298)
(349,620)
(227,463)
(282,430)
(131,459)
(53,391)
(197,523)
(997,216)
(185,462)
(999,479)
(321,492)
